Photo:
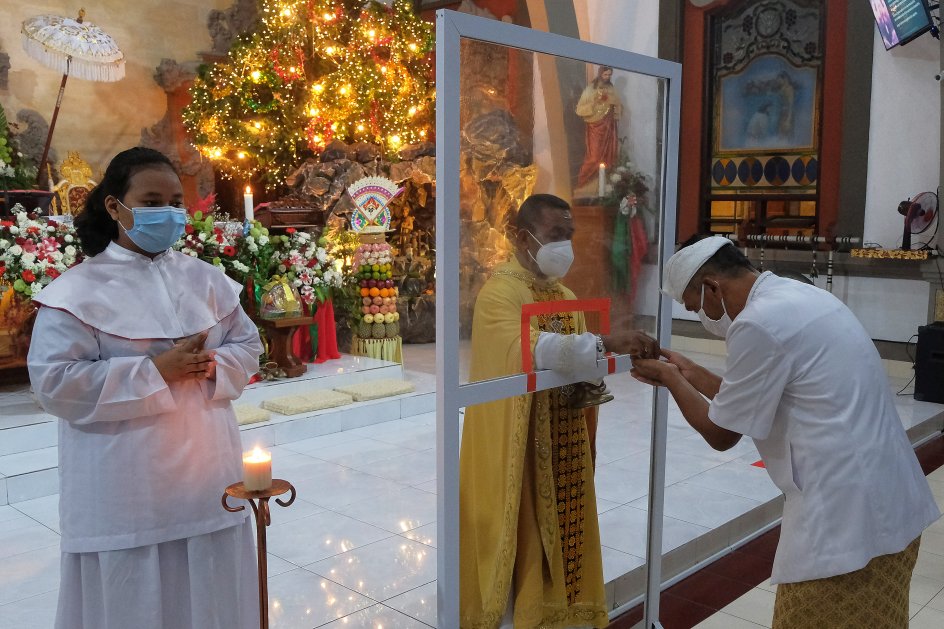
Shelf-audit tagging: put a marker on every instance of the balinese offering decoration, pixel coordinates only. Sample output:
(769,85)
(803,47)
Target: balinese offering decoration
(378,331)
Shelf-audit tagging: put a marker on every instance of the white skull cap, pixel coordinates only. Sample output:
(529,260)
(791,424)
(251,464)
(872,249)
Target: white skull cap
(681,267)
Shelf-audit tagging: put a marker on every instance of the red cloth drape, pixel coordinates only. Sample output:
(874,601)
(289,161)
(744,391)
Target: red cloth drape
(327,333)
(327,338)
(602,147)
(301,343)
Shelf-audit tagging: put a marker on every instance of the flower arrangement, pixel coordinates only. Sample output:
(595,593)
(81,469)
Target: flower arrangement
(219,241)
(256,255)
(308,266)
(33,252)
(625,183)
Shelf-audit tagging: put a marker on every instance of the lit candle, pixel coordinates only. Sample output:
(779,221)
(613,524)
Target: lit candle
(257,469)
(601,186)
(247,203)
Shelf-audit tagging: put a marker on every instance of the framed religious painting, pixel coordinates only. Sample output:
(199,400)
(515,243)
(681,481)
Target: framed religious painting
(765,75)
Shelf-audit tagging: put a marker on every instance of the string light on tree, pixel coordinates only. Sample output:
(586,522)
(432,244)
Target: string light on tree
(315,71)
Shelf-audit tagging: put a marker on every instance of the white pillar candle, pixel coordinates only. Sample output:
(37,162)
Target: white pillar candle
(601,188)
(247,204)
(257,469)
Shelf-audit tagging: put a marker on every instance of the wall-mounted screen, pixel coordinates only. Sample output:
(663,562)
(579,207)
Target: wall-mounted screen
(900,21)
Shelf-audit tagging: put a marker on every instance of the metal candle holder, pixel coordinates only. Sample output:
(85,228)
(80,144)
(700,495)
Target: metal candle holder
(263,519)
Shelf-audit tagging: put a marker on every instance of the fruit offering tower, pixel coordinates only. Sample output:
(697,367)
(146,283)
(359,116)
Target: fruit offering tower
(378,331)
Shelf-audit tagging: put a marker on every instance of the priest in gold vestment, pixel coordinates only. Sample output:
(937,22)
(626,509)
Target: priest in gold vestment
(530,543)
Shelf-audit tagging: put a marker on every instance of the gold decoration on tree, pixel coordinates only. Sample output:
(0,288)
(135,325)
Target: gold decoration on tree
(315,71)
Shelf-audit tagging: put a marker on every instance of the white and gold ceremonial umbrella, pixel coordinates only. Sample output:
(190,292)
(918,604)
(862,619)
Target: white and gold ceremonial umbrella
(75,48)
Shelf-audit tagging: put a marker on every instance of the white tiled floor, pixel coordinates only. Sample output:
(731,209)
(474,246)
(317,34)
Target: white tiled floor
(756,608)
(358,548)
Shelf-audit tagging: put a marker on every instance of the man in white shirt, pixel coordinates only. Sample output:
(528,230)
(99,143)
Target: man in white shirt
(804,380)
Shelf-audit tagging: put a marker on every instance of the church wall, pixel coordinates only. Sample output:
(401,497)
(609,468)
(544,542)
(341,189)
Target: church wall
(100,119)
(903,158)
(904,146)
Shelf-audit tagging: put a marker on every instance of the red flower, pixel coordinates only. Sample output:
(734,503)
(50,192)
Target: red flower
(229,250)
(219,238)
(29,277)
(20,240)
(188,229)
(52,272)
(32,230)
(6,223)
(290,230)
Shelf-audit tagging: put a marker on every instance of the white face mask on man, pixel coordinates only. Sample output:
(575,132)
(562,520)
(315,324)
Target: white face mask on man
(554,258)
(718,327)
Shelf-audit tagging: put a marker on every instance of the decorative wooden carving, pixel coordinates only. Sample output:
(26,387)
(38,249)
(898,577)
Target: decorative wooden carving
(171,138)
(76,184)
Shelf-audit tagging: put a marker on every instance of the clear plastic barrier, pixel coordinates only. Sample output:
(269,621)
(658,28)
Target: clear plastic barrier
(590,135)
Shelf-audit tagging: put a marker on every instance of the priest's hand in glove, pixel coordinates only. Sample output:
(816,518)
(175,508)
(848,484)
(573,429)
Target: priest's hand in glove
(186,360)
(632,342)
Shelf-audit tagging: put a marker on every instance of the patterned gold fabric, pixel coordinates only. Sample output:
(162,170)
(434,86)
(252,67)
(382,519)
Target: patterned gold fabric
(875,597)
(528,520)
(567,429)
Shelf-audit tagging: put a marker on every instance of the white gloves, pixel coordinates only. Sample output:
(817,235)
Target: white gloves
(569,354)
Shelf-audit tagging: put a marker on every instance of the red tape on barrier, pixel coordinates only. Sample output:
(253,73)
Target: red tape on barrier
(601,306)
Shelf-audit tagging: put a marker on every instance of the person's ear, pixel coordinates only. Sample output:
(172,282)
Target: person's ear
(111,206)
(711,284)
(521,238)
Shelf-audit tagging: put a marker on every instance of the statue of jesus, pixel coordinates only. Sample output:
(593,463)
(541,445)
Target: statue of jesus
(600,108)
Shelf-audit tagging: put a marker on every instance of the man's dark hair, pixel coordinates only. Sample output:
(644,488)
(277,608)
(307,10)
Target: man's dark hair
(727,261)
(529,214)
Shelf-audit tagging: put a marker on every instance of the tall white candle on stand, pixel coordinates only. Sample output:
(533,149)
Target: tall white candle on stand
(247,204)
(257,469)
(601,187)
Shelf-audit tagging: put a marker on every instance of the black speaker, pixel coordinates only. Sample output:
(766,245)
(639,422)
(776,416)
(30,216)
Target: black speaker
(929,364)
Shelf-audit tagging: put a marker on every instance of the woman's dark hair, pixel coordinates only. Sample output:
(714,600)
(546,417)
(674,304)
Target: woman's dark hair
(94,227)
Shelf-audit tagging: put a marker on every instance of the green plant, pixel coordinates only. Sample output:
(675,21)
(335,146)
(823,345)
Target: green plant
(16,170)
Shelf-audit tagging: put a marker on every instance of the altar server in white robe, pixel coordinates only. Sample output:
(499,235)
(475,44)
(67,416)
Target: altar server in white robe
(140,350)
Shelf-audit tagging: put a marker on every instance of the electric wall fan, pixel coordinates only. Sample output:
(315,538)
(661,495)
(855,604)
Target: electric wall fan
(920,213)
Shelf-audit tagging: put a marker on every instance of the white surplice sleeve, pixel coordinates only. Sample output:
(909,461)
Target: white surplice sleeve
(73,382)
(237,357)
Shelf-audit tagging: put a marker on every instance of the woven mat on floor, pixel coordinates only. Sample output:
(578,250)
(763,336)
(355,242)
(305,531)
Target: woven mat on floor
(307,402)
(375,389)
(248,414)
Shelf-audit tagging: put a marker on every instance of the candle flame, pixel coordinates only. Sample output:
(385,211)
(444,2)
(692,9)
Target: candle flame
(257,455)
(249,191)
(602,165)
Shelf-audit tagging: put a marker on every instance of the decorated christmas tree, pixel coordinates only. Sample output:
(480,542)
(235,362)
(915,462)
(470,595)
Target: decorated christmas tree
(315,71)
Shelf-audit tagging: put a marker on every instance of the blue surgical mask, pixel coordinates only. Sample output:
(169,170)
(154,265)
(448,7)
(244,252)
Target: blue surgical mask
(156,229)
